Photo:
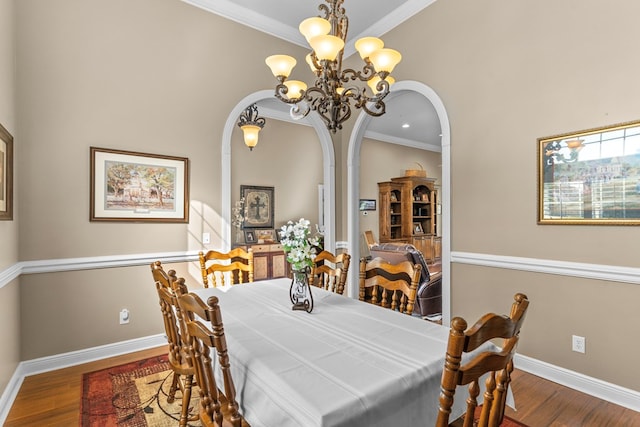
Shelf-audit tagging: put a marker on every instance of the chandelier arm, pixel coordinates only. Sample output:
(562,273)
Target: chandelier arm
(367,73)
(281,94)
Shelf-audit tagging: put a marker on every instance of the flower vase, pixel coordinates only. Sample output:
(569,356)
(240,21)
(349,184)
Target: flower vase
(239,236)
(300,292)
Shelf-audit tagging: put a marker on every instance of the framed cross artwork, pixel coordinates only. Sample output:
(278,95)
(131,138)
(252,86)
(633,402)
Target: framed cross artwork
(258,205)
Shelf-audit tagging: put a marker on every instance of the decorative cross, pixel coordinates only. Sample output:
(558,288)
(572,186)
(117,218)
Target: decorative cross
(257,205)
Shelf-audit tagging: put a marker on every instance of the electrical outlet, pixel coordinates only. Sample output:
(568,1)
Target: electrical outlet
(206,238)
(124,316)
(578,344)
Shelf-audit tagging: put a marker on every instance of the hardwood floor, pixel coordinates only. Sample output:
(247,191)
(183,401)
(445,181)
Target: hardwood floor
(53,399)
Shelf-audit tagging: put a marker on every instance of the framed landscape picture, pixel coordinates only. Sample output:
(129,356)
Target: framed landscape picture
(590,176)
(138,187)
(6,174)
(258,205)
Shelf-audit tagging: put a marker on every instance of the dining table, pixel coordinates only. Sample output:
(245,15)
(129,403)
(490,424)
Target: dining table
(346,363)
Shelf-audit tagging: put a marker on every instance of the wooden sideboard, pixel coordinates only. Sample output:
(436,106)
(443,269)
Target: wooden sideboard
(269,261)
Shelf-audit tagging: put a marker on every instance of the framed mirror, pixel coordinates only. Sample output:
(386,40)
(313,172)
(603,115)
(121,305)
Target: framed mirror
(590,176)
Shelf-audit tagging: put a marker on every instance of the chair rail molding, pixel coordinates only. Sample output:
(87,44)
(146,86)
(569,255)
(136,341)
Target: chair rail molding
(91,263)
(610,273)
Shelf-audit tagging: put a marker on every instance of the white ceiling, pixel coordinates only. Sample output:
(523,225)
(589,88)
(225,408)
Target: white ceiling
(280,18)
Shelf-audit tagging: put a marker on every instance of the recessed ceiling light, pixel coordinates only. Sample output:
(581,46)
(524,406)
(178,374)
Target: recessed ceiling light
(406,125)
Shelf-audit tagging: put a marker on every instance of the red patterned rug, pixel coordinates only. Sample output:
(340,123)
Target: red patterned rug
(506,421)
(130,395)
(135,395)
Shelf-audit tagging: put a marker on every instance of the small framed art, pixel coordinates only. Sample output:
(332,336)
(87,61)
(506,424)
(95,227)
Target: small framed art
(138,187)
(258,205)
(250,236)
(266,236)
(417,228)
(367,204)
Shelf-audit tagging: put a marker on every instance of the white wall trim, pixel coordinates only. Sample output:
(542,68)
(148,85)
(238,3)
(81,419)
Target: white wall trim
(64,360)
(91,263)
(592,386)
(610,273)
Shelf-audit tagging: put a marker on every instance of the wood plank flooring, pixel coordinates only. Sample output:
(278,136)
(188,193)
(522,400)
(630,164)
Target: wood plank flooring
(53,399)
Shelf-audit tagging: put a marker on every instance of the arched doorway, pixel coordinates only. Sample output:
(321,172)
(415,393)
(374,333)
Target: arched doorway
(282,114)
(353,190)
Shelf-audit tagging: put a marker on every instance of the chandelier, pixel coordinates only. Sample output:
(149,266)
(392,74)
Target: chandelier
(251,124)
(555,152)
(330,96)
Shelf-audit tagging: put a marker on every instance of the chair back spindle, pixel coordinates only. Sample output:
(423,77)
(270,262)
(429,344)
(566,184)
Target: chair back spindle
(388,285)
(237,264)
(330,271)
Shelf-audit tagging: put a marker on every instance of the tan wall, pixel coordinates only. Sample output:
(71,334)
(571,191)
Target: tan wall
(509,73)
(154,76)
(288,157)
(9,298)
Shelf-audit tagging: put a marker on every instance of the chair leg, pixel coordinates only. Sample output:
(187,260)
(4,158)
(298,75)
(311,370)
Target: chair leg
(174,387)
(186,400)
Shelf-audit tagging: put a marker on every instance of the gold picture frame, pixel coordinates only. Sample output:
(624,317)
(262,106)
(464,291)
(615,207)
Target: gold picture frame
(590,177)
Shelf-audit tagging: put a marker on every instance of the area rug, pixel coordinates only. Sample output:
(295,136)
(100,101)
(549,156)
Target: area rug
(131,395)
(506,421)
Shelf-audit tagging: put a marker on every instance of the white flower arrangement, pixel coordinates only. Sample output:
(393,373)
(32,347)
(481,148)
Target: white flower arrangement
(300,247)
(239,214)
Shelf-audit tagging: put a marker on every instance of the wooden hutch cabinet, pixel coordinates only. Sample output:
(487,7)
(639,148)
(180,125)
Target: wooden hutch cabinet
(408,214)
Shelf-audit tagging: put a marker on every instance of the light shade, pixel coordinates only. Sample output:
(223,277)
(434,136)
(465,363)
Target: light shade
(575,144)
(315,26)
(310,62)
(294,88)
(385,60)
(367,45)
(374,81)
(326,47)
(250,135)
(281,65)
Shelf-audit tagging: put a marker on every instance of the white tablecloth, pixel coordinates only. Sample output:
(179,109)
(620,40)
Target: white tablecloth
(347,363)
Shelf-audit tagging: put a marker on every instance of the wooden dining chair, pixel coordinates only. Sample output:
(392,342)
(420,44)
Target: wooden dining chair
(389,285)
(329,271)
(497,364)
(238,263)
(369,239)
(174,327)
(214,406)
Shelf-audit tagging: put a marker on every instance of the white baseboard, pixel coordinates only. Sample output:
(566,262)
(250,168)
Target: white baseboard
(592,386)
(64,360)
